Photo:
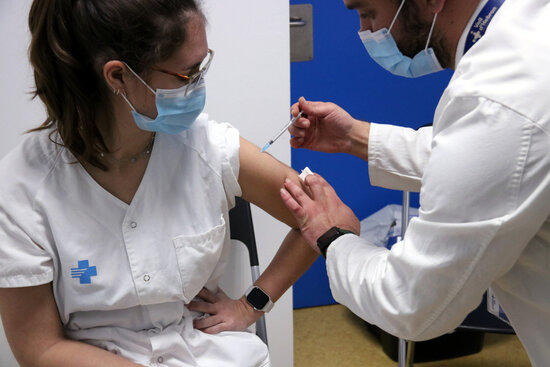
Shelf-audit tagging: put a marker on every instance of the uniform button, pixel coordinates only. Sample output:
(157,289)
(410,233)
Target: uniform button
(133,224)
(146,278)
(160,359)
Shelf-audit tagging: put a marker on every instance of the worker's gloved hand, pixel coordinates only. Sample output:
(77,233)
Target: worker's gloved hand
(225,314)
(324,127)
(320,212)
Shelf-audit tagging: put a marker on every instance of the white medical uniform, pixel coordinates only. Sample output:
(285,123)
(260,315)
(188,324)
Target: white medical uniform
(484,177)
(122,273)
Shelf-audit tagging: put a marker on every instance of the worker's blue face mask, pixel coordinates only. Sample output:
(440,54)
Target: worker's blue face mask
(177,109)
(383,49)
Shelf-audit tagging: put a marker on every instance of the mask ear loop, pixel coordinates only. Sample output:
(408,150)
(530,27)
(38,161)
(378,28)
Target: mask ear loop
(139,78)
(123,93)
(396,15)
(431,32)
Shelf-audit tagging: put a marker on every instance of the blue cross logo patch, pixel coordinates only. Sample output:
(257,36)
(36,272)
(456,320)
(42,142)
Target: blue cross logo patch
(84,271)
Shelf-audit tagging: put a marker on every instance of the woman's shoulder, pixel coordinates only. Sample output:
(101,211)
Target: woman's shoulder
(208,136)
(215,144)
(27,165)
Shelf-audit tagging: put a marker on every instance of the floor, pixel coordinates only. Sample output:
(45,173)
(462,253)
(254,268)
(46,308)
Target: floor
(332,336)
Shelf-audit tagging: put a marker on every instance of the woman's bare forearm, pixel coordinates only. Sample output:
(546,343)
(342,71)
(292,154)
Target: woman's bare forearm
(69,353)
(292,259)
(35,332)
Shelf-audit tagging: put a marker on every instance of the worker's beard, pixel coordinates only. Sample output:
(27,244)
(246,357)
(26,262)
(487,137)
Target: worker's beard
(413,35)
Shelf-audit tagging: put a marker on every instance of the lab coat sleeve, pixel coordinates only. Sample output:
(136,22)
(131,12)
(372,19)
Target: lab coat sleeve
(397,156)
(485,194)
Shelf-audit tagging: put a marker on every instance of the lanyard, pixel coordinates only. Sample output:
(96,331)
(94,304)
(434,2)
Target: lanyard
(482,22)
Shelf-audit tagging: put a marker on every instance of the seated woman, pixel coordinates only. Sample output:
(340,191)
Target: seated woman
(114,212)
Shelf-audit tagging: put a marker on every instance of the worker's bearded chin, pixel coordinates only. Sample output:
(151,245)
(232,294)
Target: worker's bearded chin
(413,36)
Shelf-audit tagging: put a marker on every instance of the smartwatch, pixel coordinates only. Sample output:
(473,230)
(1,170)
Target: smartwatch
(328,237)
(258,299)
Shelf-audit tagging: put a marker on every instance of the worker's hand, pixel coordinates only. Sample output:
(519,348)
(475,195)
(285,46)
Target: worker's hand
(320,212)
(226,314)
(325,127)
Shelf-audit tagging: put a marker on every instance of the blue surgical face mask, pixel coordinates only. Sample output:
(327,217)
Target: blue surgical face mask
(177,109)
(383,49)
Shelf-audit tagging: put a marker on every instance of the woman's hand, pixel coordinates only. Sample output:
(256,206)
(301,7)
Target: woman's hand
(226,314)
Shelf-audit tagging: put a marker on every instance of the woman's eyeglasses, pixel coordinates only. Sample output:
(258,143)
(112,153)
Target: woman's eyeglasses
(191,80)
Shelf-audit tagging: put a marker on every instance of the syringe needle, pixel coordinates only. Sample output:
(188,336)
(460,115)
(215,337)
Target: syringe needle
(281,132)
(267,145)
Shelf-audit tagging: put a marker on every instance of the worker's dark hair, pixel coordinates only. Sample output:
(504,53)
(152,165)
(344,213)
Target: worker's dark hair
(410,15)
(71,42)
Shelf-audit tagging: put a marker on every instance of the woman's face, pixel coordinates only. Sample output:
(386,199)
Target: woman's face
(185,61)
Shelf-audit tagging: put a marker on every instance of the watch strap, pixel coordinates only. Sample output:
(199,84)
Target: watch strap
(328,237)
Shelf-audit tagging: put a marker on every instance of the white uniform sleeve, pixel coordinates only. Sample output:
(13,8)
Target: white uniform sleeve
(484,195)
(23,263)
(397,156)
(228,141)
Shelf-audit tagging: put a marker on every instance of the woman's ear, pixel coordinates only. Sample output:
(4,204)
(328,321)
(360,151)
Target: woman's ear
(113,72)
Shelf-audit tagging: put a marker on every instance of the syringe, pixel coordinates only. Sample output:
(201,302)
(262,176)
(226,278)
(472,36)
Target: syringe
(281,132)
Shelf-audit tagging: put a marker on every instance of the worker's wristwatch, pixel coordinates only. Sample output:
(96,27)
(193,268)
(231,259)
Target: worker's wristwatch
(328,237)
(258,299)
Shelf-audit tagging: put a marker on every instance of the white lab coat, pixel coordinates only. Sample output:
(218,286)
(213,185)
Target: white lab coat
(122,273)
(484,177)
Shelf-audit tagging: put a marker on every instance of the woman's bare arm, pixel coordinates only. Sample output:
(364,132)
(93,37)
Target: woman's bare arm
(261,177)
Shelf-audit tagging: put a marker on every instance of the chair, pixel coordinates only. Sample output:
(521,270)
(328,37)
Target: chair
(242,229)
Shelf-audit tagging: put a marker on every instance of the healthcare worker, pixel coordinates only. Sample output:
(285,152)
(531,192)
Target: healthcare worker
(114,212)
(483,171)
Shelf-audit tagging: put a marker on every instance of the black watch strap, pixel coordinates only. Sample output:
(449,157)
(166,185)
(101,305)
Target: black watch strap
(328,237)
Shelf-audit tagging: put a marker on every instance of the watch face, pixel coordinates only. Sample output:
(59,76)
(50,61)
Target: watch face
(257,298)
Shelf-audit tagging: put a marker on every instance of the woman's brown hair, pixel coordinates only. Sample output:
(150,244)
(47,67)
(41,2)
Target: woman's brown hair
(73,39)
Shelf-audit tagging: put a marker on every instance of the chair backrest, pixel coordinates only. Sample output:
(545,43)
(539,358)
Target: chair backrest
(242,229)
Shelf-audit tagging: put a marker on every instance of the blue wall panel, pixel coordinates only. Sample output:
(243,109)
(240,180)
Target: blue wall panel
(342,72)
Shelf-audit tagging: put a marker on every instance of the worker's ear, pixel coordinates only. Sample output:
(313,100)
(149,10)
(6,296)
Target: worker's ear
(436,6)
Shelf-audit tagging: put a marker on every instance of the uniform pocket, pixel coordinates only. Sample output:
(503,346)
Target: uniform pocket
(197,256)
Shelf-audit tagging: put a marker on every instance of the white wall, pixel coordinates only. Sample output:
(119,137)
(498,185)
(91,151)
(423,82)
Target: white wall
(17,112)
(248,85)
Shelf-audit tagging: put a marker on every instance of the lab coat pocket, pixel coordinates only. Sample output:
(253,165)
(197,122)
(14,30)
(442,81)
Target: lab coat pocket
(197,257)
